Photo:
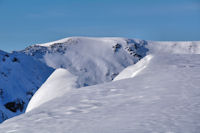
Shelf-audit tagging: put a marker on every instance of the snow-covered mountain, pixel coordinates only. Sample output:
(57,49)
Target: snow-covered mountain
(92,60)
(163,97)
(99,60)
(20,77)
(84,62)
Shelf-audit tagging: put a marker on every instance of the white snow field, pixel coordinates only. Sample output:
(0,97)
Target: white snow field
(164,97)
(60,82)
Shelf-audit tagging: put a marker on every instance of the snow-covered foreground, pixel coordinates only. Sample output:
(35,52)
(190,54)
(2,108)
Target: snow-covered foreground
(164,97)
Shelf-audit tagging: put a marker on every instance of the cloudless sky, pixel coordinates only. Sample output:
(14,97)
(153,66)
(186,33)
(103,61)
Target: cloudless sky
(27,22)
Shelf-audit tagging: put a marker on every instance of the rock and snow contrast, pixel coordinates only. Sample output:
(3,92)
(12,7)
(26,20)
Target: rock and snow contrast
(20,77)
(92,60)
(154,88)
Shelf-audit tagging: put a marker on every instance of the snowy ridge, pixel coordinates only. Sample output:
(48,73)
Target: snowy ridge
(54,42)
(187,47)
(76,39)
(60,81)
(176,47)
(132,71)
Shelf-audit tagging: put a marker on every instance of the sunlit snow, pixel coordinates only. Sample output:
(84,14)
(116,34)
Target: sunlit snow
(158,94)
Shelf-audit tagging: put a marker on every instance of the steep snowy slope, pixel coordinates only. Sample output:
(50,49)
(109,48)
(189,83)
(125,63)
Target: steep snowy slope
(163,98)
(20,77)
(60,82)
(133,70)
(92,60)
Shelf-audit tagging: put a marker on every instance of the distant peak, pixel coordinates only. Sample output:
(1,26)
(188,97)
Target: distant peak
(75,39)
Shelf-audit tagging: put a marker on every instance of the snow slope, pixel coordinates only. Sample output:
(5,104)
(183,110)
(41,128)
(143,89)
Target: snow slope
(20,77)
(187,47)
(60,82)
(99,60)
(92,60)
(132,71)
(162,98)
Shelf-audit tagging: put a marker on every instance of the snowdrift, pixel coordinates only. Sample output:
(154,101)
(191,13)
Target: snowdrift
(60,82)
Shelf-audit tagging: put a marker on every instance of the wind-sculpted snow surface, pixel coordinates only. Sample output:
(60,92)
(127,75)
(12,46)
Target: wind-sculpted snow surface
(164,98)
(20,77)
(59,83)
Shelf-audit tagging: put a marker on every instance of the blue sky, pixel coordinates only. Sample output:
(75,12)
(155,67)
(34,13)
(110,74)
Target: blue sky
(26,22)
